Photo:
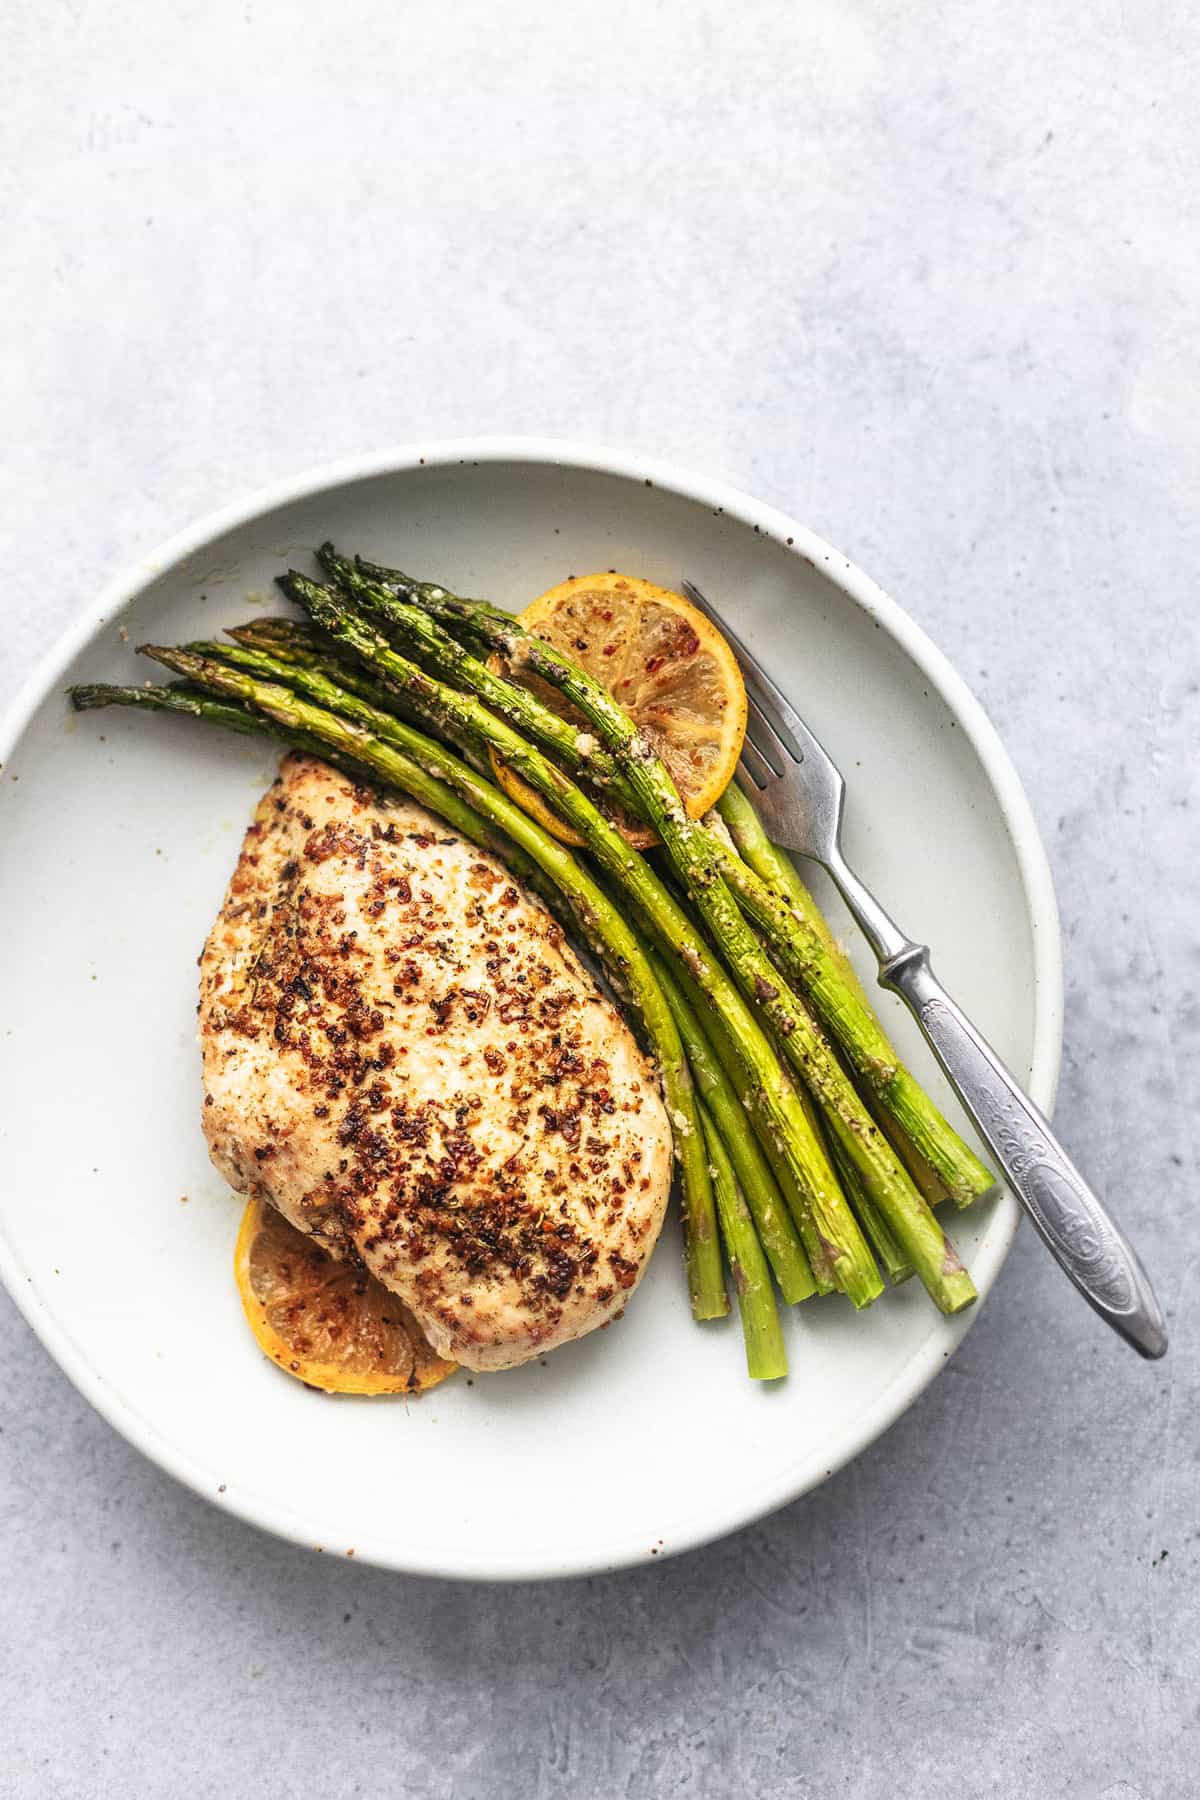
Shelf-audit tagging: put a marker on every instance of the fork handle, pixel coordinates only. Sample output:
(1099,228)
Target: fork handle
(1071,1220)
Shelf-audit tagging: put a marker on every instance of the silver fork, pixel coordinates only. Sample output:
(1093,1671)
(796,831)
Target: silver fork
(799,793)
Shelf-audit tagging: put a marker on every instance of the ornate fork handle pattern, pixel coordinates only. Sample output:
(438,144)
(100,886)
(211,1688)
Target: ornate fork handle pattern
(1072,1221)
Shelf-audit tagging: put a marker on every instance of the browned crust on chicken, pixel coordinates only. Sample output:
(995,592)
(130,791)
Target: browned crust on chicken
(403,1055)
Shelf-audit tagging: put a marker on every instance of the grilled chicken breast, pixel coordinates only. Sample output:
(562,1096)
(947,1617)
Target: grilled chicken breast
(403,1054)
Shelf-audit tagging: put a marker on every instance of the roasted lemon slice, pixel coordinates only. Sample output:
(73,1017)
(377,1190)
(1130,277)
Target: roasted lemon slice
(666,663)
(328,1323)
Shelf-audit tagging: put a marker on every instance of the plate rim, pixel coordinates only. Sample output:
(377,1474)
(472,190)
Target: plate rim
(1032,866)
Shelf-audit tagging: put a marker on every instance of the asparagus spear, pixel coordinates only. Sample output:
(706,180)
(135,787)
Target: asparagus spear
(726,1053)
(842,1005)
(896,1265)
(879,1234)
(433,776)
(876,1229)
(836,1249)
(296,643)
(697,863)
(762,878)
(923,1173)
(514,704)
(776,1231)
(766,1358)
(197,703)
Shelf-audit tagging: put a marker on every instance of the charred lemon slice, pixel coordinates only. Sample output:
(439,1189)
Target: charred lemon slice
(667,665)
(328,1323)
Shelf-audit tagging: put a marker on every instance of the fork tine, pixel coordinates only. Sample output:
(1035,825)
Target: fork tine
(765,738)
(778,711)
(757,767)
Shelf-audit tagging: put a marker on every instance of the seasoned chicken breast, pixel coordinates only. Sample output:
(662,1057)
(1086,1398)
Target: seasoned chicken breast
(403,1054)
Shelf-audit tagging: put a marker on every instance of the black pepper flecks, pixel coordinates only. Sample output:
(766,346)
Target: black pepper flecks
(416,1184)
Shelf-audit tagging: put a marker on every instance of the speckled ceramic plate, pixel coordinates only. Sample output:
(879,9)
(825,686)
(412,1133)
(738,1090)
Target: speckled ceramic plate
(116,1235)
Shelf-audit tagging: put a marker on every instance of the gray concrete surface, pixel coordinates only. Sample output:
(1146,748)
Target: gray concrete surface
(927,276)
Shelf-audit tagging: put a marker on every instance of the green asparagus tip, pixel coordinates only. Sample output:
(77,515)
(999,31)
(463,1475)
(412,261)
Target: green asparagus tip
(269,630)
(87,695)
(293,585)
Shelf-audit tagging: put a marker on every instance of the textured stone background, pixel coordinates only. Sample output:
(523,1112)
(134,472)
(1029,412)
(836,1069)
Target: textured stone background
(927,276)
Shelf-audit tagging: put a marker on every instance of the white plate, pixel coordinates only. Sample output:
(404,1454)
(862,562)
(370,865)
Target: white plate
(119,833)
